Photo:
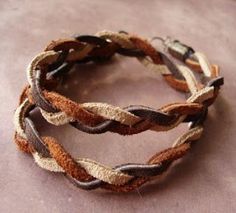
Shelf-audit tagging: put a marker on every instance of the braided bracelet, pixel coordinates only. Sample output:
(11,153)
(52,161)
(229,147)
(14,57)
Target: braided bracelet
(47,68)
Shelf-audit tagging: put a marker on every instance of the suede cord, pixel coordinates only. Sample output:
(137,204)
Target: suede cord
(47,68)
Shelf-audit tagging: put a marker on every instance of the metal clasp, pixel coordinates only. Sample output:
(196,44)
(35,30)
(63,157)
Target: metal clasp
(176,48)
(179,50)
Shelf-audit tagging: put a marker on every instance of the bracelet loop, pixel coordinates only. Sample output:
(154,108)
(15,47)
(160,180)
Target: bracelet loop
(47,68)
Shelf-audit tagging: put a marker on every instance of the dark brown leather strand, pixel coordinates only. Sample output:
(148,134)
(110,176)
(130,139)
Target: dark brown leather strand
(34,138)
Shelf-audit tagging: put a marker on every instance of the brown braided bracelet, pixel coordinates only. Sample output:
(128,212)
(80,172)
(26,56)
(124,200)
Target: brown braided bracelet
(47,68)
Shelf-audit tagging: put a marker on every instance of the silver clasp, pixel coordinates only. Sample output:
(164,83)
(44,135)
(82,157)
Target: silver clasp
(176,48)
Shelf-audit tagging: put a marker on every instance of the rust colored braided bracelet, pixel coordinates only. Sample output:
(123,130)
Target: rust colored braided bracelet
(47,68)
